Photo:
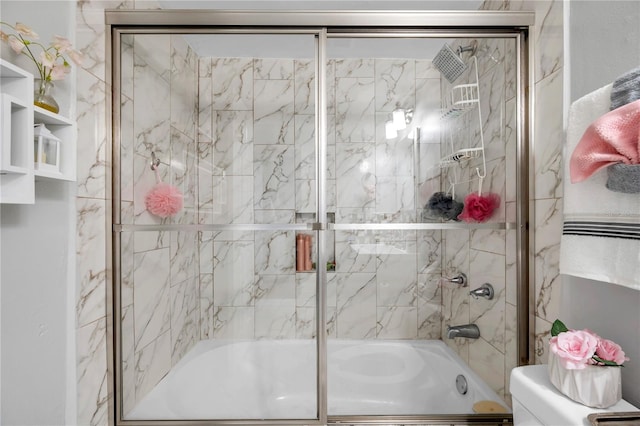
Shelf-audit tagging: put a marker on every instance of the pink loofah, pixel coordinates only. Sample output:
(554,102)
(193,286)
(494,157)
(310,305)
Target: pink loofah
(478,208)
(163,200)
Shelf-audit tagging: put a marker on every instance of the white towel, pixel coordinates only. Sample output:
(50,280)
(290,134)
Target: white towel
(601,234)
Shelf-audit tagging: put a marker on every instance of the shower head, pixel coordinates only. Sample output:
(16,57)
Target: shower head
(449,63)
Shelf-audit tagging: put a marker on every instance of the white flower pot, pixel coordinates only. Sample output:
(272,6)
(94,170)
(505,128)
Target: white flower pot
(593,386)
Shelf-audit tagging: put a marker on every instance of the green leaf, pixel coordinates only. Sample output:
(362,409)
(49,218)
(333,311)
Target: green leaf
(558,327)
(605,362)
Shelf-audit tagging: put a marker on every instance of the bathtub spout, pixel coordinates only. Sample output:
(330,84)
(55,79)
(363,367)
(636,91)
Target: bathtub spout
(470,331)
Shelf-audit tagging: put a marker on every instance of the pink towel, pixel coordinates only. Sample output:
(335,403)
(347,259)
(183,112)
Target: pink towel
(612,138)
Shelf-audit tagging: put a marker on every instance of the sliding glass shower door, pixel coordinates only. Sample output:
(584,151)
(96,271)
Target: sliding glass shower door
(408,141)
(215,212)
(278,254)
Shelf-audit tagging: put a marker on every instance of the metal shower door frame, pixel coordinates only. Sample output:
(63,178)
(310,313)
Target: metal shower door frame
(324,24)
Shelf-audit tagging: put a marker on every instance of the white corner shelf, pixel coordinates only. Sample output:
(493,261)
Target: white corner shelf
(15,122)
(16,139)
(18,115)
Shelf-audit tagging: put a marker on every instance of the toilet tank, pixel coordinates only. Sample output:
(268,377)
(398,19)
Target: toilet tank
(522,416)
(537,402)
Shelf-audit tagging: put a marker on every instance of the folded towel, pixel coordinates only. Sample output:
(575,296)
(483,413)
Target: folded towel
(624,178)
(626,89)
(612,138)
(601,235)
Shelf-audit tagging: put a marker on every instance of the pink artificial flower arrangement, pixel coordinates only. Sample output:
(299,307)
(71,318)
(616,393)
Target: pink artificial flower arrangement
(52,61)
(578,348)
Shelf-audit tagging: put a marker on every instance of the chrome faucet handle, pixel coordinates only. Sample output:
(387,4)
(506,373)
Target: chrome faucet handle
(485,290)
(460,279)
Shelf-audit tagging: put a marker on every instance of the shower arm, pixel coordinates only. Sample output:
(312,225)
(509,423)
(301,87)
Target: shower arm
(470,48)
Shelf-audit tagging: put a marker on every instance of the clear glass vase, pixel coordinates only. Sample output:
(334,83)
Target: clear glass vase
(42,96)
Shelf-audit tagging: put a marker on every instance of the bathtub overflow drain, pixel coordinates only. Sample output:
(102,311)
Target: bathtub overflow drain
(461,384)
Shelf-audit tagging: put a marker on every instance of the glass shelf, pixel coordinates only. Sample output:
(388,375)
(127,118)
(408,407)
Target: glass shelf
(307,227)
(421,226)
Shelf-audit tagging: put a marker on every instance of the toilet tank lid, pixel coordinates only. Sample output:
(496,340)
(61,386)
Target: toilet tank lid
(530,385)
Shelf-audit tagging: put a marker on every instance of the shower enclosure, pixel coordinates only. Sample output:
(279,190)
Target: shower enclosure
(309,276)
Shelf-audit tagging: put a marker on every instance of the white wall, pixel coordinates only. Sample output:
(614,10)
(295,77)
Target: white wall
(613,312)
(37,260)
(35,281)
(604,43)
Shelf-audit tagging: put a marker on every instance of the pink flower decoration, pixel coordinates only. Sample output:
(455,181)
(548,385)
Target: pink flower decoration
(478,208)
(574,348)
(51,62)
(47,59)
(163,200)
(610,351)
(58,72)
(16,44)
(61,44)
(26,31)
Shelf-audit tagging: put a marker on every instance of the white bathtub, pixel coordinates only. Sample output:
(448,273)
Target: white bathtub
(276,379)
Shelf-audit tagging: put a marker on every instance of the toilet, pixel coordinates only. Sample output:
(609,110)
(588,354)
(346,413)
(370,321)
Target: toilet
(537,402)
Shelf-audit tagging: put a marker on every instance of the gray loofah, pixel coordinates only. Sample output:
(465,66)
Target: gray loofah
(626,89)
(624,178)
(443,205)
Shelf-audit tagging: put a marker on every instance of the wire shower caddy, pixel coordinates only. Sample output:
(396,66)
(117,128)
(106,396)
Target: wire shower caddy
(461,100)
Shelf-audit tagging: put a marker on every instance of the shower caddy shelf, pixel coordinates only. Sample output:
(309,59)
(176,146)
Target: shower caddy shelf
(460,156)
(462,99)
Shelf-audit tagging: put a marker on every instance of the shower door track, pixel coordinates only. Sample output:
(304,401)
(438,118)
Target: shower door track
(324,24)
(315,226)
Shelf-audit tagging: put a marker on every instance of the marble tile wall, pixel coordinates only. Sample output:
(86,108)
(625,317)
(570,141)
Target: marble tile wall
(257,164)
(94,396)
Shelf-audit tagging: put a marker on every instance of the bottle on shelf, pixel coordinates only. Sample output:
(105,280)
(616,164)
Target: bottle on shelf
(299,253)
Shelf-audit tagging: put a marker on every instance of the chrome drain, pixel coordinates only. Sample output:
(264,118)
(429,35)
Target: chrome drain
(461,384)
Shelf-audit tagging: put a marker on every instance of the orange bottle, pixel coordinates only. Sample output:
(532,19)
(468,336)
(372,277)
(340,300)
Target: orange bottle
(300,243)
